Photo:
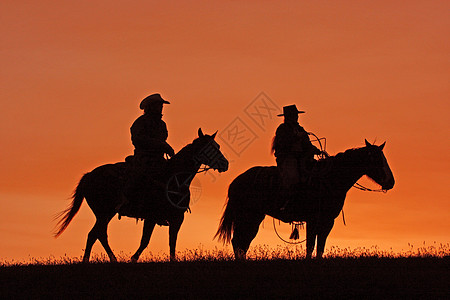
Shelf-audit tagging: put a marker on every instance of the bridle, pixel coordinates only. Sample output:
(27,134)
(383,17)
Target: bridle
(366,189)
(201,169)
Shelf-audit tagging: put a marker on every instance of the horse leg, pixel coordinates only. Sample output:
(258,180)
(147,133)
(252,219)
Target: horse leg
(92,237)
(147,230)
(174,227)
(311,234)
(103,237)
(98,231)
(245,229)
(322,235)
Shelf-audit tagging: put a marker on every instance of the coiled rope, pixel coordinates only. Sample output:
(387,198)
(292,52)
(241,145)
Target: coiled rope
(297,225)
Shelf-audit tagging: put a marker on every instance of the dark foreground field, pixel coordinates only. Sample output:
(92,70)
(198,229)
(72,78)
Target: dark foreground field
(381,278)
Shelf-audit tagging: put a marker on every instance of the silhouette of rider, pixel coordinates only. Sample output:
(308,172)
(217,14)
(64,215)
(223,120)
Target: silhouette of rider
(293,150)
(149,131)
(148,135)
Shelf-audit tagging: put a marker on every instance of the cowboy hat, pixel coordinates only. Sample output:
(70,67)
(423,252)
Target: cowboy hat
(154,98)
(290,109)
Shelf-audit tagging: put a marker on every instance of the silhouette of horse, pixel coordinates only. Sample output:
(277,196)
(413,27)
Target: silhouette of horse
(102,189)
(251,196)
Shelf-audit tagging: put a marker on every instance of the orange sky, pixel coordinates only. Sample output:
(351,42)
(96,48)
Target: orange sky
(73,74)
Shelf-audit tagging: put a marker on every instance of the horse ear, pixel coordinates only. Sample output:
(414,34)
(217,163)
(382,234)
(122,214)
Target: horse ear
(382,146)
(367,143)
(200,133)
(214,135)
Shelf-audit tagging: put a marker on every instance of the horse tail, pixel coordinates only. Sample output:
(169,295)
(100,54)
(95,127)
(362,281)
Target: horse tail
(226,226)
(66,216)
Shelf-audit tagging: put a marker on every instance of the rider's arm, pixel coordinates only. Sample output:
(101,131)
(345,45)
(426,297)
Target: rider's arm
(284,139)
(151,139)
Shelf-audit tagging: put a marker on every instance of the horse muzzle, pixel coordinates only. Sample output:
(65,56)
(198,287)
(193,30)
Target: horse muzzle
(223,166)
(388,185)
(223,169)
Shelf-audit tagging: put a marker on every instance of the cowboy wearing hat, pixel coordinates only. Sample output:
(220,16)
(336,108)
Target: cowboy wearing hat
(149,131)
(293,150)
(148,135)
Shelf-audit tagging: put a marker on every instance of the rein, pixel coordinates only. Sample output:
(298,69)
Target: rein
(200,169)
(366,189)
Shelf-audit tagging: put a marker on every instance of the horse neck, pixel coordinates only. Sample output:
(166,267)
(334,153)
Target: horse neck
(184,162)
(348,168)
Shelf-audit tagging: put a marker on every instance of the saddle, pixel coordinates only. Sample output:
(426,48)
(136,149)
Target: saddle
(143,199)
(285,201)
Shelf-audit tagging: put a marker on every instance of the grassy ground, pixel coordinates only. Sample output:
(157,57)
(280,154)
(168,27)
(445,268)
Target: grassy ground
(213,275)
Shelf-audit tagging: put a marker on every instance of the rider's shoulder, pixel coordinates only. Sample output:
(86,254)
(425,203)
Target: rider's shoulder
(300,127)
(139,120)
(288,127)
(282,126)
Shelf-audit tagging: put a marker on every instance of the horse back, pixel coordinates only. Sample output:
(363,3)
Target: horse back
(258,190)
(116,170)
(265,177)
(105,179)
(254,189)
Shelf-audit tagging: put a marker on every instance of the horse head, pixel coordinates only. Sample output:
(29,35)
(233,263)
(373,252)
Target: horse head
(207,152)
(378,168)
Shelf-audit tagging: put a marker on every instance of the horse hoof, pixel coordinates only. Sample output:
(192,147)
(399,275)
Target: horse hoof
(134,260)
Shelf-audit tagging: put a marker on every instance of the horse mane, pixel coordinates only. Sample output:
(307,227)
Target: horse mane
(180,156)
(185,151)
(186,148)
(348,155)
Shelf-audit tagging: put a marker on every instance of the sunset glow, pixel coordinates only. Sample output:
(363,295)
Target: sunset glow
(73,75)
